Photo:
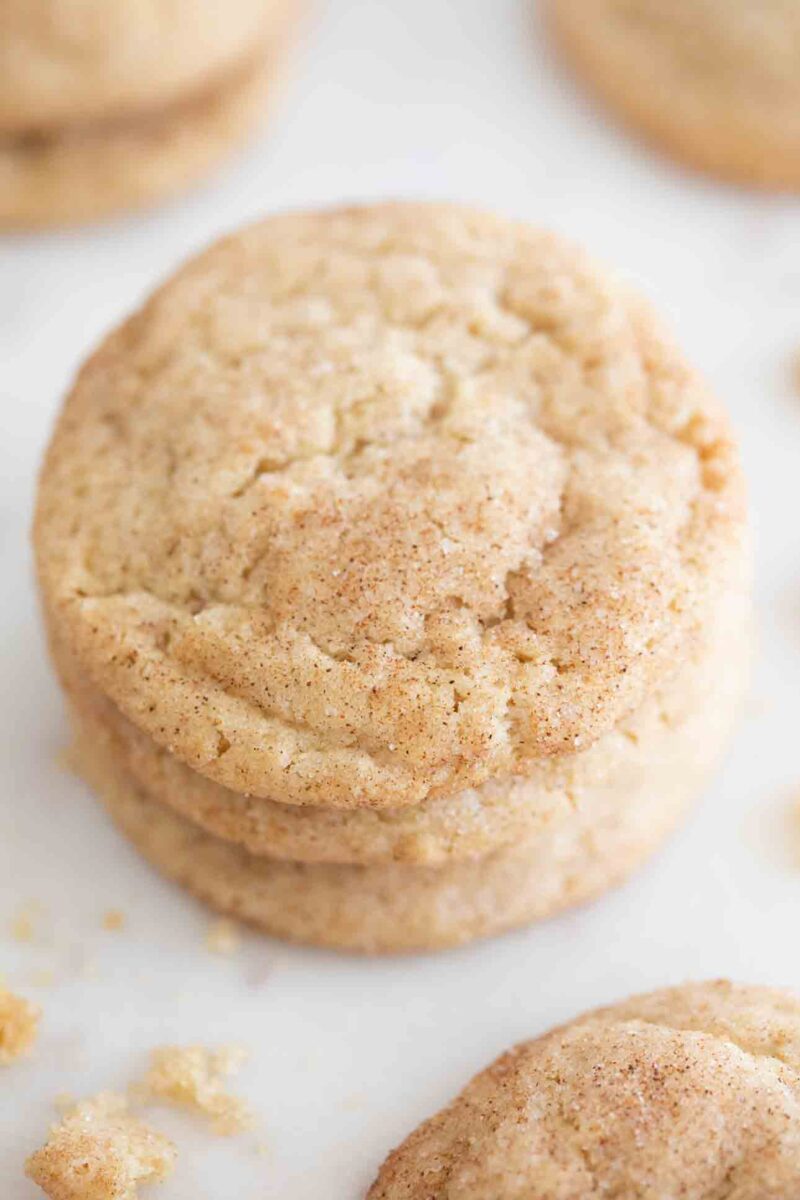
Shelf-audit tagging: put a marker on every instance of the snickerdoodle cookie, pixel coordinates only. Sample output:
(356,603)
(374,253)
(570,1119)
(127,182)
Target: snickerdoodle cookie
(396,568)
(66,61)
(715,82)
(659,767)
(692,1091)
(375,505)
(109,106)
(657,754)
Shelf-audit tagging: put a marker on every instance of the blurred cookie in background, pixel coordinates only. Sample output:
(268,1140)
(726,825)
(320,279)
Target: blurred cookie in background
(105,107)
(716,83)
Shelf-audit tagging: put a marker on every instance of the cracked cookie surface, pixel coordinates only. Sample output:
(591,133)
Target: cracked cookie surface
(373,505)
(389,907)
(662,748)
(692,1091)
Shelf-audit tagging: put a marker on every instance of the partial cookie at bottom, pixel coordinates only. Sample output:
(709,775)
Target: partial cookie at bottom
(690,1092)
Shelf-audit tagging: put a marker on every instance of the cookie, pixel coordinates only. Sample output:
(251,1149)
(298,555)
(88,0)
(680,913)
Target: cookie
(665,744)
(85,173)
(691,1091)
(73,62)
(392,907)
(447,829)
(106,107)
(713,82)
(375,505)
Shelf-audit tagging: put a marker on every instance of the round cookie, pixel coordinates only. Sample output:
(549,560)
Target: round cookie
(714,82)
(660,750)
(392,907)
(374,505)
(70,62)
(88,172)
(691,1091)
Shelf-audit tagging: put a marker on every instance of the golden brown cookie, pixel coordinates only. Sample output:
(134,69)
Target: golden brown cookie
(87,172)
(690,1092)
(391,907)
(714,82)
(72,62)
(645,755)
(374,505)
(105,107)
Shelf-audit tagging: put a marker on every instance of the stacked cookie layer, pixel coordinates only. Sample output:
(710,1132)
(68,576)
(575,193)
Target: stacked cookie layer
(109,106)
(395,567)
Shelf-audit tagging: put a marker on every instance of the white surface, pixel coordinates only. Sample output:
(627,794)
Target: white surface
(443,98)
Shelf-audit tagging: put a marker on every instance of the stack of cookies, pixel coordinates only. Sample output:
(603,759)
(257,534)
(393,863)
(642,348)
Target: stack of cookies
(110,104)
(395,567)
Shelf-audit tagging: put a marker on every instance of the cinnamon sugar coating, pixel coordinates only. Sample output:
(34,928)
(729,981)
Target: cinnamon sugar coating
(374,505)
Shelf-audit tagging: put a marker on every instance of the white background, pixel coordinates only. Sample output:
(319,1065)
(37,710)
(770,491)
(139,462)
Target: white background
(458,99)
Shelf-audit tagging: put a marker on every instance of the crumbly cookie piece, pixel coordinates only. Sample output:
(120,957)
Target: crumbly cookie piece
(647,744)
(714,82)
(100,1152)
(90,171)
(19,1026)
(690,1092)
(66,62)
(392,907)
(371,505)
(114,920)
(223,937)
(24,922)
(194,1077)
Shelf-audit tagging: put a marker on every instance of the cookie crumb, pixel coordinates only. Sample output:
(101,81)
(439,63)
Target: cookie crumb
(23,924)
(114,920)
(19,1025)
(99,1152)
(192,1077)
(223,937)
(43,977)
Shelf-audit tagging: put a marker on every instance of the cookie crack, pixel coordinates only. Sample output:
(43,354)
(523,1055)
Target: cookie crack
(725,1039)
(488,322)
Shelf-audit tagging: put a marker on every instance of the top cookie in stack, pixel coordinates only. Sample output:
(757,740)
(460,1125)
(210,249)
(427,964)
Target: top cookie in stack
(110,105)
(394,564)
